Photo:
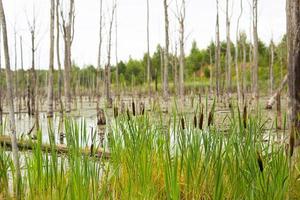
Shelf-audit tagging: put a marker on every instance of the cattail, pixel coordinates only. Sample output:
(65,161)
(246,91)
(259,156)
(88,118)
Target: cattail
(133,108)
(142,108)
(292,142)
(91,149)
(245,116)
(116,112)
(210,118)
(195,121)
(101,118)
(260,162)
(201,118)
(182,123)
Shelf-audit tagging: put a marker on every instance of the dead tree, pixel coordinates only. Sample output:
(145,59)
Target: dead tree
(116,51)
(107,67)
(293,32)
(228,51)
(255,53)
(99,56)
(60,76)
(166,52)
(271,66)
(181,14)
(68,32)
(148,52)
(12,123)
(237,55)
(32,74)
(51,61)
(217,53)
(272,99)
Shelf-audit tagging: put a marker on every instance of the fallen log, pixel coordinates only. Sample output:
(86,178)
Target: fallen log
(272,99)
(23,145)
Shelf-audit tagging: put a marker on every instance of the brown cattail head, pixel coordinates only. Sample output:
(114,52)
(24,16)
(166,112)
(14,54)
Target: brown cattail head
(245,116)
(292,141)
(201,118)
(133,108)
(101,120)
(210,118)
(182,123)
(116,112)
(142,108)
(195,121)
(260,162)
(128,114)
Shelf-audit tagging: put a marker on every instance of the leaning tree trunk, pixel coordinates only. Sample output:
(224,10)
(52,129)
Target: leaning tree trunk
(255,52)
(12,123)
(293,32)
(272,99)
(51,61)
(166,52)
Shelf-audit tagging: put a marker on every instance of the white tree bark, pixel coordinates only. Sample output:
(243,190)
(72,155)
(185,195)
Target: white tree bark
(237,56)
(12,123)
(51,61)
(228,51)
(271,67)
(99,56)
(107,67)
(166,52)
(217,53)
(255,53)
(148,52)
(181,19)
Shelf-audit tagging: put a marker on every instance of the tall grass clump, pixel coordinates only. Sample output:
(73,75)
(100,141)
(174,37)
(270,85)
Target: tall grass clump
(160,157)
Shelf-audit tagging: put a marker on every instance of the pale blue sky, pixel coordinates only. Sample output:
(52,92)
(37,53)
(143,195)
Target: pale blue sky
(200,26)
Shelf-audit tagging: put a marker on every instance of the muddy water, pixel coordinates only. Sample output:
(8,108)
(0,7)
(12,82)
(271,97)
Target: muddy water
(85,112)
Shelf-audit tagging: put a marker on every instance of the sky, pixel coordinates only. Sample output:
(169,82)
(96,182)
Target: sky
(131,26)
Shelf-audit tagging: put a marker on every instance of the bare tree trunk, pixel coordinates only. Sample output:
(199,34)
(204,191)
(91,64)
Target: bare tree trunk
(99,58)
(237,56)
(117,61)
(107,70)
(166,52)
(32,71)
(211,71)
(272,99)
(217,53)
(244,80)
(175,72)
(228,52)
(12,123)
(162,61)
(271,67)
(22,71)
(293,32)
(60,76)
(181,20)
(1,92)
(68,36)
(51,61)
(255,53)
(148,52)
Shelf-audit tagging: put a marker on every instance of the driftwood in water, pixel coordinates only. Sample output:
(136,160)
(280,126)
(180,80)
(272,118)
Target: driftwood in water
(24,145)
(272,100)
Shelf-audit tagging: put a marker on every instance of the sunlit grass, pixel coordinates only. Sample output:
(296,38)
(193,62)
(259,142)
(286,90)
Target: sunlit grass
(160,159)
